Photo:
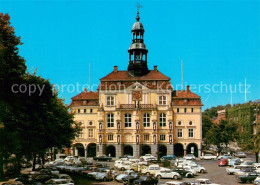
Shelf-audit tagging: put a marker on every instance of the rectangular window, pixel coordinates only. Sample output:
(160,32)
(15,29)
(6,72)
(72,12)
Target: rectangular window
(91,110)
(81,135)
(192,110)
(162,137)
(146,137)
(110,137)
(128,120)
(78,110)
(85,111)
(185,110)
(162,100)
(191,132)
(162,120)
(110,100)
(179,132)
(178,110)
(110,120)
(90,133)
(146,120)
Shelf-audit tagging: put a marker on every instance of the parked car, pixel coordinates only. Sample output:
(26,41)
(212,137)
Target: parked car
(167,175)
(59,181)
(244,171)
(240,154)
(183,172)
(175,183)
(204,181)
(168,157)
(257,181)
(145,180)
(231,171)
(225,156)
(152,169)
(105,175)
(235,161)
(208,157)
(147,157)
(120,177)
(223,162)
(249,177)
(102,158)
(189,157)
(125,165)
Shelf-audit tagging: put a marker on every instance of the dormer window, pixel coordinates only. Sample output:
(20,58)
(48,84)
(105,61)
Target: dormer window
(110,100)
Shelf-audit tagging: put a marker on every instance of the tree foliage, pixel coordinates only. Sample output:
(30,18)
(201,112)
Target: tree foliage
(30,123)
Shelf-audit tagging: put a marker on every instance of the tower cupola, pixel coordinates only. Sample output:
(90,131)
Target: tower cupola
(137,51)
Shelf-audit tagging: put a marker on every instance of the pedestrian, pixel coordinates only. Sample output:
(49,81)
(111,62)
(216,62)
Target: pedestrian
(109,155)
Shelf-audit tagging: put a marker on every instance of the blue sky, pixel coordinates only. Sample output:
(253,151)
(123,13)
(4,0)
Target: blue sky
(219,41)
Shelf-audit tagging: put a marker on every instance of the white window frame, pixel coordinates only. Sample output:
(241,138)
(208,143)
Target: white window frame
(110,120)
(110,137)
(110,100)
(128,120)
(189,133)
(162,120)
(179,129)
(162,101)
(162,137)
(146,119)
(91,133)
(146,137)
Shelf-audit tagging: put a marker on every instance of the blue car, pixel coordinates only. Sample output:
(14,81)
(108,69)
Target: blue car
(168,157)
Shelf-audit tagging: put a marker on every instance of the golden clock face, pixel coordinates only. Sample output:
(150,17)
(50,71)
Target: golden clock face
(137,95)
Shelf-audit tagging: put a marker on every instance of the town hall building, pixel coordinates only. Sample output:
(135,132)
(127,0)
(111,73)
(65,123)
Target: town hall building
(136,111)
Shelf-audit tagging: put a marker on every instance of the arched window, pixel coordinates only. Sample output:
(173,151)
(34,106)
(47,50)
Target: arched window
(110,120)
(128,120)
(162,120)
(146,120)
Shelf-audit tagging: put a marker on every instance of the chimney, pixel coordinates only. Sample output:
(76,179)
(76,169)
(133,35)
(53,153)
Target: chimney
(188,88)
(85,89)
(115,69)
(155,68)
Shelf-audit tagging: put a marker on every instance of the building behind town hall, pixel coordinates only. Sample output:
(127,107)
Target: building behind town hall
(136,111)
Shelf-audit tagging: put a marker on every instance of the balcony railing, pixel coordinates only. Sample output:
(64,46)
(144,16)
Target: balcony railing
(140,106)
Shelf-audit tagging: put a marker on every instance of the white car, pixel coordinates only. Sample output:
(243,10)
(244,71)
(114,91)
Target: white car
(189,168)
(189,157)
(174,183)
(167,175)
(147,157)
(69,158)
(60,182)
(257,180)
(205,181)
(208,157)
(231,171)
(125,165)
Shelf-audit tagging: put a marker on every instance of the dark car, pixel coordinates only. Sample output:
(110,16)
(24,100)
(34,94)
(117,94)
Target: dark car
(24,178)
(143,180)
(183,172)
(168,157)
(102,158)
(249,177)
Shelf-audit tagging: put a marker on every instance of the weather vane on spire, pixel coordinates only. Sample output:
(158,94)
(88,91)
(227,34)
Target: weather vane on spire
(138,7)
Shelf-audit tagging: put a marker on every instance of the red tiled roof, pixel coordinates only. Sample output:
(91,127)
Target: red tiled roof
(84,103)
(86,96)
(125,76)
(186,97)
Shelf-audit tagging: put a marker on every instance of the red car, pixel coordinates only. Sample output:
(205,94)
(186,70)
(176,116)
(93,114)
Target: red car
(223,162)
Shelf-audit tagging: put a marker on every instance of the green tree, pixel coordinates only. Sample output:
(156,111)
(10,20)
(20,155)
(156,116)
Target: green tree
(206,125)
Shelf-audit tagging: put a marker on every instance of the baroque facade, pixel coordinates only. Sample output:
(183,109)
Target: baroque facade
(136,111)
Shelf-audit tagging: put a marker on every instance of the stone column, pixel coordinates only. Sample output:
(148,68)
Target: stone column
(169,149)
(118,150)
(185,152)
(100,149)
(154,150)
(76,152)
(199,152)
(136,150)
